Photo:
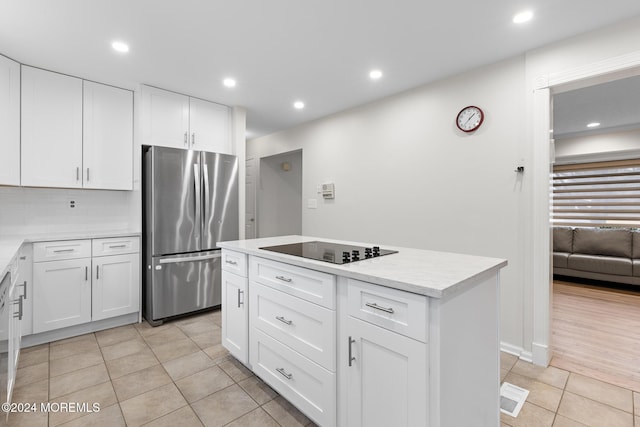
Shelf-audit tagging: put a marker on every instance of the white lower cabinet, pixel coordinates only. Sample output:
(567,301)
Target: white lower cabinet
(235,315)
(62,294)
(386,378)
(115,286)
(70,287)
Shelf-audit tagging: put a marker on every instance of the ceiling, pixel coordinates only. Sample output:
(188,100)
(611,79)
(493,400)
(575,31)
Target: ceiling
(615,105)
(280,51)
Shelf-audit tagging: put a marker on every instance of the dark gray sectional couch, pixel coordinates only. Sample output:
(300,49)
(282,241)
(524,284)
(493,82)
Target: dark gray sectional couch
(609,254)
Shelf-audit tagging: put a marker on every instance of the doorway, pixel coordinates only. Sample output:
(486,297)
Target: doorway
(541,279)
(279,201)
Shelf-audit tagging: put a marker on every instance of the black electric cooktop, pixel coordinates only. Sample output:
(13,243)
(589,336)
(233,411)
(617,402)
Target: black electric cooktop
(330,252)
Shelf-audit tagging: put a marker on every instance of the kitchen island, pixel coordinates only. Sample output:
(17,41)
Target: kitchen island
(406,339)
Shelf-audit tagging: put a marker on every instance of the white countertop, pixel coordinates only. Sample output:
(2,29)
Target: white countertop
(10,245)
(431,273)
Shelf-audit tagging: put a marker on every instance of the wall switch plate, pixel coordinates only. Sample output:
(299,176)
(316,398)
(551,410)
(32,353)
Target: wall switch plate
(312,203)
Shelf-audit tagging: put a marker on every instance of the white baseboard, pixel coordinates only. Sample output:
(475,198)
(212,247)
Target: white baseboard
(541,354)
(527,356)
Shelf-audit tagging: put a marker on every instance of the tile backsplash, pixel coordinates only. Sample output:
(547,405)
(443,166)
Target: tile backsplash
(25,211)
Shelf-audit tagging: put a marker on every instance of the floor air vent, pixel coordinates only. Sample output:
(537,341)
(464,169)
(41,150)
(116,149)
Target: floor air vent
(512,398)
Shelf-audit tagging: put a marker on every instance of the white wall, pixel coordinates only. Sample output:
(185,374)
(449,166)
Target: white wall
(605,146)
(280,195)
(31,211)
(404,175)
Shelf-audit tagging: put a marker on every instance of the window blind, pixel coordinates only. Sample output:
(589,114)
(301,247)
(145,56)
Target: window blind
(597,194)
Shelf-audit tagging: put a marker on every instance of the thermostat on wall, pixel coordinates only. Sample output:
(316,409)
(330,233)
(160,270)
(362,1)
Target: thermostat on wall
(328,191)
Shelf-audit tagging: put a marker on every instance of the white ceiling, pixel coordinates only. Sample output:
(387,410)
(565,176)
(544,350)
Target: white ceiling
(615,105)
(318,51)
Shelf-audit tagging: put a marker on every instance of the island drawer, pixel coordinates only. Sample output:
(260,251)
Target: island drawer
(307,385)
(392,309)
(305,327)
(234,262)
(310,285)
(59,250)
(116,246)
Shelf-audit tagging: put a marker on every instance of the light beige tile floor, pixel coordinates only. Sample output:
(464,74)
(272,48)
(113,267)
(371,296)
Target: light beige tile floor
(178,374)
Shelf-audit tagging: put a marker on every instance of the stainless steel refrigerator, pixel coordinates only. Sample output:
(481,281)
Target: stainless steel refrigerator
(190,202)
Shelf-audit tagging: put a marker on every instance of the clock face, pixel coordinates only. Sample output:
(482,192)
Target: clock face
(469,118)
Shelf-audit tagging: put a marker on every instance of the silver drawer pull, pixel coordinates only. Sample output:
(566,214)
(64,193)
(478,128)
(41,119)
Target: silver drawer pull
(283,320)
(351,358)
(60,251)
(228,261)
(284,279)
(377,307)
(117,246)
(284,373)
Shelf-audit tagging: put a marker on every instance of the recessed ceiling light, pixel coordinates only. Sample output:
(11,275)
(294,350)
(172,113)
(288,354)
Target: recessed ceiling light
(298,105)
(120,46)
(523,17)
(229,82)
(593,125)
(375,74)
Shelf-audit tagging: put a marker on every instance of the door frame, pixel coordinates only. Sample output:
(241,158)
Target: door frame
(540,281)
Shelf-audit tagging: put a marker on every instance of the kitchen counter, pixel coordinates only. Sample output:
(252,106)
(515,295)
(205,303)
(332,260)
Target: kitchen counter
(10,245)
(431,273)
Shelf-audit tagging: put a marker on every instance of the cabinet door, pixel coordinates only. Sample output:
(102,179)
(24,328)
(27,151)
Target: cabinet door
(10,119)
(61,294)
(165,118)
(51,129)
(115,286)
(25,286)
(107,137)
(235,316)
(210,126)
(387,380)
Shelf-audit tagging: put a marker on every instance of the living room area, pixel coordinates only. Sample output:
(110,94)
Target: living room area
(595,316)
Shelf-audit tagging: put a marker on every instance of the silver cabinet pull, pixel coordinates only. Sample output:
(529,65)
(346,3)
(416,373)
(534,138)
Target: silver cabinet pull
(86,273)
(284,279)
(22,258)
(19,314)
(240,292)
(193,138)
(61,251)
(97,272)
(351,358)
(78,173)
(117,246)
(186,141)
(284,373)
(87,174)
(228,261)
(283,320)
(24,288)
(377,307)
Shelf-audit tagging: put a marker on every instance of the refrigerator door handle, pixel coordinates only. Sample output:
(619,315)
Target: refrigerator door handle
(205,179)
(196,180)
(189,258)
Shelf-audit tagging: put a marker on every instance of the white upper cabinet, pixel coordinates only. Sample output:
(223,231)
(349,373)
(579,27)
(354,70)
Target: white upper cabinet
(210,126)
(51,129)
(107,137)
(165,118)
(75,133)
(10,119)
(173,120)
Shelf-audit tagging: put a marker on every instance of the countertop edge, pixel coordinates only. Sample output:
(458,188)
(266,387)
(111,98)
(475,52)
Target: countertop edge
(451,290)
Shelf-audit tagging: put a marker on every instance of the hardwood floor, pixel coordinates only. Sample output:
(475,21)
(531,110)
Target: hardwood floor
(596,332)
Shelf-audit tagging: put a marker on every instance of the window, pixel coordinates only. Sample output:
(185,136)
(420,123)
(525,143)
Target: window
(597,194)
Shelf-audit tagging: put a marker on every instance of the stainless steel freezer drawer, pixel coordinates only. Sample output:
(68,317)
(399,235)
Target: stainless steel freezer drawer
(185,283)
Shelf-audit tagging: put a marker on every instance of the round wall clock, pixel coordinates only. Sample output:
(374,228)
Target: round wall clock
(469,118)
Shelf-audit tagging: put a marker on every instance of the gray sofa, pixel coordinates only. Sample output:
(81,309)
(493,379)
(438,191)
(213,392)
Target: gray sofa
(609,254)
